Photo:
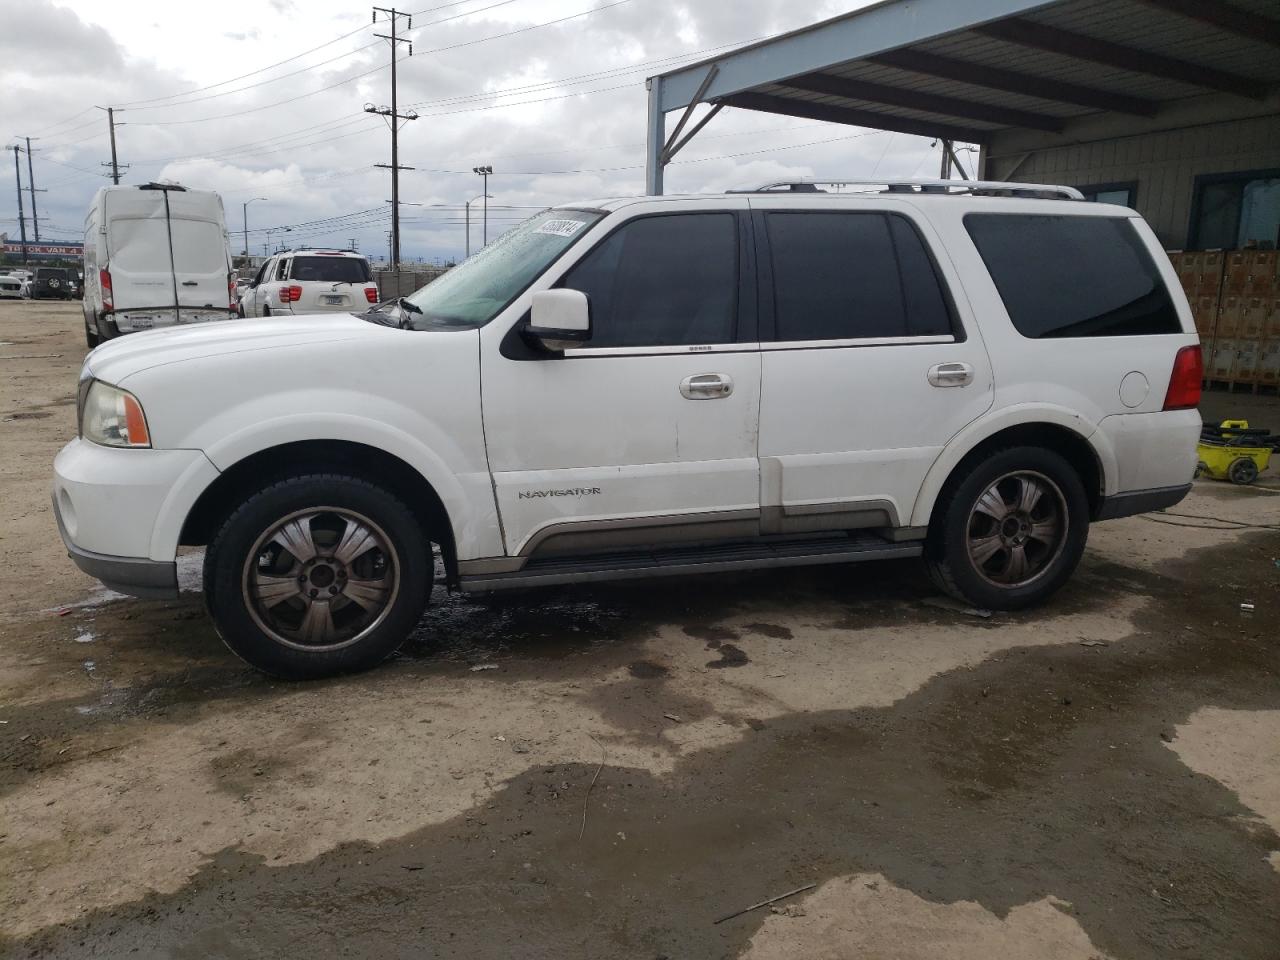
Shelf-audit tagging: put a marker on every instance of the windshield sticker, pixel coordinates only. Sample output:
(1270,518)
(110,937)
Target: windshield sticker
(561,228)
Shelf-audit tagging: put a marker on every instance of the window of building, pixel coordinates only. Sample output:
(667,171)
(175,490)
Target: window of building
(1122,194)
(662,281)
(841,276)
(1073,276)
(1236,210)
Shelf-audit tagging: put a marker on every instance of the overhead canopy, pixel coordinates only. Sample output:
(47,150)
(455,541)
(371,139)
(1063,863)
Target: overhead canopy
(979,71)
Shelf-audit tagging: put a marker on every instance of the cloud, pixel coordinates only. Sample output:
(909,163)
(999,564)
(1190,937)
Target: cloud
(558,110)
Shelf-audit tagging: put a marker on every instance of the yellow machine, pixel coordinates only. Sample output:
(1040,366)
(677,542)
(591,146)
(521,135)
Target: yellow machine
(1232,451)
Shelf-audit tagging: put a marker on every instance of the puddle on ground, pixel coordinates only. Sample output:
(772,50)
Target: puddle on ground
(1040,773)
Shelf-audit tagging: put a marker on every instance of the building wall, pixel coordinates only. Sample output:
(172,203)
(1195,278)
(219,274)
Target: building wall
(1164,164)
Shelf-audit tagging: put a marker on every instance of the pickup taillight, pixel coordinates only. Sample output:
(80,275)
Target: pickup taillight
(104,279)
(290,294)
(371,294)
(231,292)
(1184,382)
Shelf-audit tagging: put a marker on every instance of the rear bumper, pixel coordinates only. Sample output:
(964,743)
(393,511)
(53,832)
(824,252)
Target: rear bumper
(1140,501)
(136,576)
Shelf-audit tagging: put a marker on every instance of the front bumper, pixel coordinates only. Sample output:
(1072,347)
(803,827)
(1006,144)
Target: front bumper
(120,512)
(136,576)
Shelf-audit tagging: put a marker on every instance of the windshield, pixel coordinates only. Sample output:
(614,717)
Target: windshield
(474,292)
(330,269)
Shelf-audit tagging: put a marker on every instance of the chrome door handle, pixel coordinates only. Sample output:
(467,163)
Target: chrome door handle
(951,374)
(706,386)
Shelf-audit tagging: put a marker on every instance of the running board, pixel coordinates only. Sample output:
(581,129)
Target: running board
(681,561)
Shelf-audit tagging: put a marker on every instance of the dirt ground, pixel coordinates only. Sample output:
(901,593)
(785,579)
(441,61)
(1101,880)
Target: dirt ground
(1097,778)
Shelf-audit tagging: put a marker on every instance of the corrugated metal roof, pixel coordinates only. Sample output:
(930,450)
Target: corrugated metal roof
(1037,66)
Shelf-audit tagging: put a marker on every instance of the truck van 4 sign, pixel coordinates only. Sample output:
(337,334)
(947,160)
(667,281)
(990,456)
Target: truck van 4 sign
(570,492)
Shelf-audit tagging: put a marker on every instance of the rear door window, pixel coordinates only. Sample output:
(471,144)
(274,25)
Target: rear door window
(330,269)
(841,275)
(1073,276)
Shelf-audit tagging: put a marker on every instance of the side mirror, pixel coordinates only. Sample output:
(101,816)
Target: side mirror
(560,319)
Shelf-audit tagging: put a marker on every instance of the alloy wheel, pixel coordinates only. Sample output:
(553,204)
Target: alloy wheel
(321,579)
(1017,528)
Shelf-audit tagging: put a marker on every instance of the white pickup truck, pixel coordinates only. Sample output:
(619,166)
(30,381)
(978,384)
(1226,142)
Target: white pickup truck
(649,386)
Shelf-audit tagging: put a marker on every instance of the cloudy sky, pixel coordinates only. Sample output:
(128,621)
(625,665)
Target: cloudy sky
(264,99)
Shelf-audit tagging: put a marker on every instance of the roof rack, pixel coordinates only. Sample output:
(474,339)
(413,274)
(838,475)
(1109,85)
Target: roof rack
(983,188)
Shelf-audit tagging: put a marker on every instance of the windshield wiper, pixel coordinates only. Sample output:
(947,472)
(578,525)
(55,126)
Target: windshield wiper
(408,306)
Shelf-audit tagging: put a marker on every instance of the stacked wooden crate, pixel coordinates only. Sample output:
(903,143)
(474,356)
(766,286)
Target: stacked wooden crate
(1235,298)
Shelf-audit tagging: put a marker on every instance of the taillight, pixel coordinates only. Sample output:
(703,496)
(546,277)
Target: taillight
(295,294)
(1184,382)
(371,294)
(231,292)
(104,278)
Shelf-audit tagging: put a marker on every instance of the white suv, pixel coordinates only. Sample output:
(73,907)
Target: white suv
(310,281)
(647,386)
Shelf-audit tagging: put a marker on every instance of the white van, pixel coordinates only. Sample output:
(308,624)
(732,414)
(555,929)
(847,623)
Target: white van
(154,256)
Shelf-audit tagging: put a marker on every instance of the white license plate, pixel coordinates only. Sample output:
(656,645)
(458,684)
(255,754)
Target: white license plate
(330,299)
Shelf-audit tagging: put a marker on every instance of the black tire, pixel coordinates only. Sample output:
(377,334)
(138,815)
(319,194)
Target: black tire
(266,310)
(91,337)
(958,522)
(1242,471)
(237,552)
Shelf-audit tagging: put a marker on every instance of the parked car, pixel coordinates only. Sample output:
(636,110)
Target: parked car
(11,287)
(310,281)
(154,256)
(52,283)
(653,386)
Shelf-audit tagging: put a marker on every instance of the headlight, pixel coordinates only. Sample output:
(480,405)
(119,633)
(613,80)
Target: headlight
(113,417)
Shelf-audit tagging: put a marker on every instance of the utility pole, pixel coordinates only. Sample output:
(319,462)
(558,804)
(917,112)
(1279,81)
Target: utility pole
(22,222)
(393,118)
(352,246)
(31,188)
(485,172)
(114,164)
(244,210)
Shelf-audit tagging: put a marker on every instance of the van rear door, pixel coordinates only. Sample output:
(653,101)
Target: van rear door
(138,258)
(200,264)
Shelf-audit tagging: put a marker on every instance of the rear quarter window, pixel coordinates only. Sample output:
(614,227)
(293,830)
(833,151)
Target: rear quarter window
(1073,276)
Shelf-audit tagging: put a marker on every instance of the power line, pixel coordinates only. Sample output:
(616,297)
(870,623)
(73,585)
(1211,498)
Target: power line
(299,56)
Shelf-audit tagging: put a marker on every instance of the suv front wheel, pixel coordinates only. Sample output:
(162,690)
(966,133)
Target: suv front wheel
(317,575)
(1011,531)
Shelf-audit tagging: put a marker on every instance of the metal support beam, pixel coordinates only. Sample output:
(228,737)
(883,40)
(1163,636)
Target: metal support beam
(657,123)
(842,39)
(855,89)
(1243,23)
(1078,46)
(1011,81)
(668,154)
(862,118)
(688,112)
(948,146)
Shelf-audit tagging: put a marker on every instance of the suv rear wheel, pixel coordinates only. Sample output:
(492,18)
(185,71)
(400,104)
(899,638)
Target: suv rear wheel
(1011,532)
(317,575)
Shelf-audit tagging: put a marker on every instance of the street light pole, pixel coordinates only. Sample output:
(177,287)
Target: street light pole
(467,205)
(485,172)
(245,213)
